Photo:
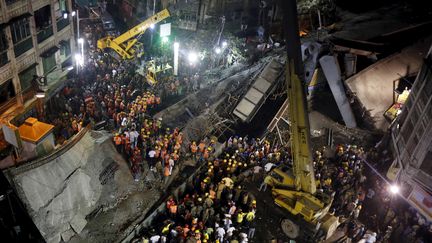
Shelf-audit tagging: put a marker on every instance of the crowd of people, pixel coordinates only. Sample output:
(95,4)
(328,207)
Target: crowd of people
(216,207)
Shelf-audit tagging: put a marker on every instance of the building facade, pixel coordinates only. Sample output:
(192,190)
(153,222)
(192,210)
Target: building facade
(36,39)
(412,142)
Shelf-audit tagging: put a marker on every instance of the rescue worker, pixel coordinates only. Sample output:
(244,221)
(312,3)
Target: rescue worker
(118,142)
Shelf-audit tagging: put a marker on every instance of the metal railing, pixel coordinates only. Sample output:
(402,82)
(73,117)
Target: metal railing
(45,33)
(62,23)
(23,46)
(36,162)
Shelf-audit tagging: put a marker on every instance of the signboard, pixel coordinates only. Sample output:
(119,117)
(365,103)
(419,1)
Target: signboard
(422,201)
(165,30)
(11,135)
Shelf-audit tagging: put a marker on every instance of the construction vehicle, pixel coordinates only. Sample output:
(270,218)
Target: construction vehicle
(126,45)
(294,189)
(153,71)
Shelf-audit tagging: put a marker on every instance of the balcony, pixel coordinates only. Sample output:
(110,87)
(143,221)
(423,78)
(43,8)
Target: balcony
(15,8)
(45,33)
(62,23)
(23,46)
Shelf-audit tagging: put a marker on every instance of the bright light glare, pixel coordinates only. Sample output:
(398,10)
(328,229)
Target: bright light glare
(81,40)
(165,39)
(40,95)
(224,44)
(65,15)
(70,68)
(394,189)
(192,57)
(176,45)
(79,59)
(73,13)
(217,50)
(152,26)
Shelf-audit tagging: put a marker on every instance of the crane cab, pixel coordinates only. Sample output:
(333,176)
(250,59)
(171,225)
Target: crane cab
(155,72)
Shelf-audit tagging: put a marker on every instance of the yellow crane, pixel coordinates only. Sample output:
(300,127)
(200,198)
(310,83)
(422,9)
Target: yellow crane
(294,189)
(125,44)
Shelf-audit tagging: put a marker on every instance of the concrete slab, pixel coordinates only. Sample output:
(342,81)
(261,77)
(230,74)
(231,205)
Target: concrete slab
(63,190)
(78,223)
(67,235)
(373,86)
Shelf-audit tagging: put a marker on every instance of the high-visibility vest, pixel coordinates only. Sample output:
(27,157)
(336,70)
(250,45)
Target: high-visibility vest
(117,140)
(166,171)
(201,147)
(173,209)
(165,229)
(250,216)
(240,217)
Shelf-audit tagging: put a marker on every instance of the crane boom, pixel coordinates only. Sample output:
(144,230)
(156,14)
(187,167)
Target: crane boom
(124,43)
(300,140)
(295,190)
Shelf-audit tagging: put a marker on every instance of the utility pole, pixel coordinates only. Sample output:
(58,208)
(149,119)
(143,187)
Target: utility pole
(221,30)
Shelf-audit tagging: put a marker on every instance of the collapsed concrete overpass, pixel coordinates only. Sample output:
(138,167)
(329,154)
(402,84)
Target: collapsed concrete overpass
(84,190)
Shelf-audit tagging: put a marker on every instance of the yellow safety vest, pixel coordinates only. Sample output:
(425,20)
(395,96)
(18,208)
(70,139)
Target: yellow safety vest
(240,217)
(165,230)
(250,216)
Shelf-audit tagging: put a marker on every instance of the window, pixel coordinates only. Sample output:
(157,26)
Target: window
(426,165)
(43,22)
(49,63)
(20,30)
(7,91)
(65,50)
(60,8)
(26,77)
(428,86)
(9,2)
(3,48)
(407,129)
(412,145)
(21,36)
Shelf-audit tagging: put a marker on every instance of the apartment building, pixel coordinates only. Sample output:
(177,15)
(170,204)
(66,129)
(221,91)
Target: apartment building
(36,39)
(412,142)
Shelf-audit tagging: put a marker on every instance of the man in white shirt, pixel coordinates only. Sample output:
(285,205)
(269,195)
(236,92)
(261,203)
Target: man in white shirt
(230,231)
(155,239)
(171,165)
(220,233)
(133,137)
(268,166)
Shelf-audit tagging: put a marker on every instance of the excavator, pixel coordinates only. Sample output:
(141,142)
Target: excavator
(294,188)
(126,45)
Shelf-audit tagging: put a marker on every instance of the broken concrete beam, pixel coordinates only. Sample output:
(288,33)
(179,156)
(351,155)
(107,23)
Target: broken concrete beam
(350,64)
(78,223)
(67,235)
(332,72)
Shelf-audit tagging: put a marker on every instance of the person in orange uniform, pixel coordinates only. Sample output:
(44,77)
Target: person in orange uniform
(118,142)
